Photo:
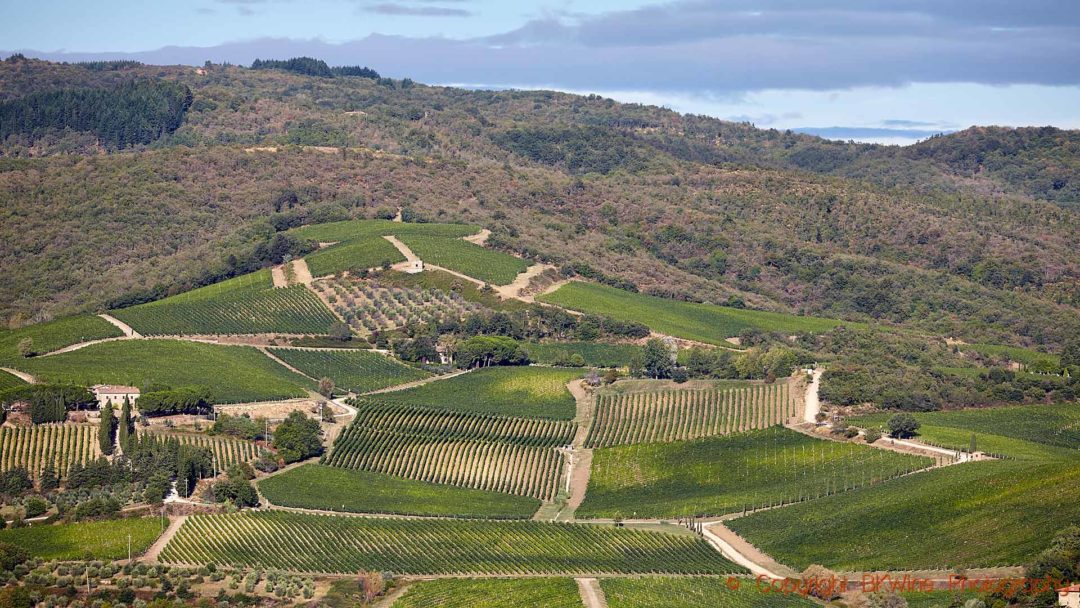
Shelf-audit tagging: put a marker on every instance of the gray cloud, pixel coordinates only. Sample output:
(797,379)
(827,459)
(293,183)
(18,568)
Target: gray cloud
(396,8)
(718,47)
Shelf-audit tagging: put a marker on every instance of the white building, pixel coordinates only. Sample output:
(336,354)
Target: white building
(114,393)
(1069,596)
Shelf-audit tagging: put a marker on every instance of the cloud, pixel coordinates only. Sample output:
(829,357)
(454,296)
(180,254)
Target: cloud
(394,8)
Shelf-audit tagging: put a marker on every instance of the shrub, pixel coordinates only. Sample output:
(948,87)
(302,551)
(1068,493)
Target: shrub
(872,435)
(183,400)
(298,437)
(902,425)
(35,506)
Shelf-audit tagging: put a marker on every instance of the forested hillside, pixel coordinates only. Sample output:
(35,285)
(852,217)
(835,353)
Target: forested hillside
(971,234)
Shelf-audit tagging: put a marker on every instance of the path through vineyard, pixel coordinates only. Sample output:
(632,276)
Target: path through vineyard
(124,327)
(514,290)
(154,551)
(813,403)
(25,377)
(580,456)
(591,593)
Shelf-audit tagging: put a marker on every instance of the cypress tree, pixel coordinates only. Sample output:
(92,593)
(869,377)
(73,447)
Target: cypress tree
(127,424)
(49,479)
(107,429)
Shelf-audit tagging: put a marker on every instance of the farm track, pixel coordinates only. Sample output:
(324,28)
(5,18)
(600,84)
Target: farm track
(514,290)
(283,363)
(277,276)
(124,327)
(415,383)
(155,549)
(592,596)
(580,456)
(480,238)
(25,377)
(813,403)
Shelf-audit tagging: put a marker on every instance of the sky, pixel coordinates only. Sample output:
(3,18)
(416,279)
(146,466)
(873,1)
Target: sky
(890,71)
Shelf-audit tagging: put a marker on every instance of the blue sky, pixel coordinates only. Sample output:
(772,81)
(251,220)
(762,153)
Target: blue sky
(871,70)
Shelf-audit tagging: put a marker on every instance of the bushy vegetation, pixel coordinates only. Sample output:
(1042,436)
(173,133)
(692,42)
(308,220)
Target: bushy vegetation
(130,114)
(354,370)
(275,539)
(596,354)
(671,592)
(182,400)
(97,540)
(245,304)
(48,402)
(227,451)
(689,320)
(236,373)
(356,491)
(467,258)
(492,593)
(727,474)
(505,391)
(298,437)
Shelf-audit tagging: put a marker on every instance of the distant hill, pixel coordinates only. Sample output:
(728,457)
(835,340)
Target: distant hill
(972,233)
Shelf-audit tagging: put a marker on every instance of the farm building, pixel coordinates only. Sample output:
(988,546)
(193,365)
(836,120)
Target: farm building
(114,393)
(1069,596)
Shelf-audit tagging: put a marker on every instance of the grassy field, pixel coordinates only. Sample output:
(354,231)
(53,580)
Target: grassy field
(692,321)
(505,391)
(333,489)
(54,335)
(492,593)
(988,513)
(1050,424)
(488,265)
(1031,360)
(233,373)
(105,540)
(714,592)
(595,354)
(9,381)
(33,447)
(248,304)
(726,474)
(360,243)
(356,370)
(314,543)
(681,414)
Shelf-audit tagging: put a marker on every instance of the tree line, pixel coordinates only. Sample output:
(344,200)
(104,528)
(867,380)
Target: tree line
(309,66)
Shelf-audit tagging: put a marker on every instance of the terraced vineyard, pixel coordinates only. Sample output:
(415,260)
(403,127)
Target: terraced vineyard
(492,593)
(494,466)
(481,263)
(381,415)
(505,391)
(682,414)
(358,244)
(334,489)
(367,307)
(227,450)
(291,541)
(671,592)
(719,475)
(356,370)
(33,447)
(248,304)
(977,514)
(593,353)
(692,321)
(54,335)
(233,373)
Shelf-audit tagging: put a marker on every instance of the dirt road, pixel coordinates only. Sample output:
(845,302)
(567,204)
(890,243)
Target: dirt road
(591,593)
(154,551)
(580,456)
(124,327)
(813,403)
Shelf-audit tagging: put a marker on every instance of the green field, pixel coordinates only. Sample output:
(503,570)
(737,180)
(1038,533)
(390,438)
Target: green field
(722,475)
(9,381)
(232,373)
(505,391)
(334,489)
(595,354)
(248,304)
(1049,424)
(355,370)
(713,592)
(689,320)
(467,258)
(54,335)
(319,543)
(1031,360)
(987,513)
(105,540)
(359,244)
(492,593)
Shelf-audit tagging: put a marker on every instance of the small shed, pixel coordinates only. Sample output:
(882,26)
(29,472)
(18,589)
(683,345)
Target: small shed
(114,393)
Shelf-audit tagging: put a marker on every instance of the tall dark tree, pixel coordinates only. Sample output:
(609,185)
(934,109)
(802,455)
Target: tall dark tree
(657,359)
(127,424)
(107,429)
(49,479)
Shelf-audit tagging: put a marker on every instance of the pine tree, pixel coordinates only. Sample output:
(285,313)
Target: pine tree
(49,479)
(127,424)
(107,429)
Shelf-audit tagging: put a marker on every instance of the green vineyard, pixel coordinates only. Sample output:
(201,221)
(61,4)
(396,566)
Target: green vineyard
(227,450)
(382,415)
(33,447)
(478,262)
(9,381)
(248,304)
(361,254)
(492,593)
(495,466)
(719,475)
(355,370)
(690,413)
(332,544)
(54,335)
(715,592)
